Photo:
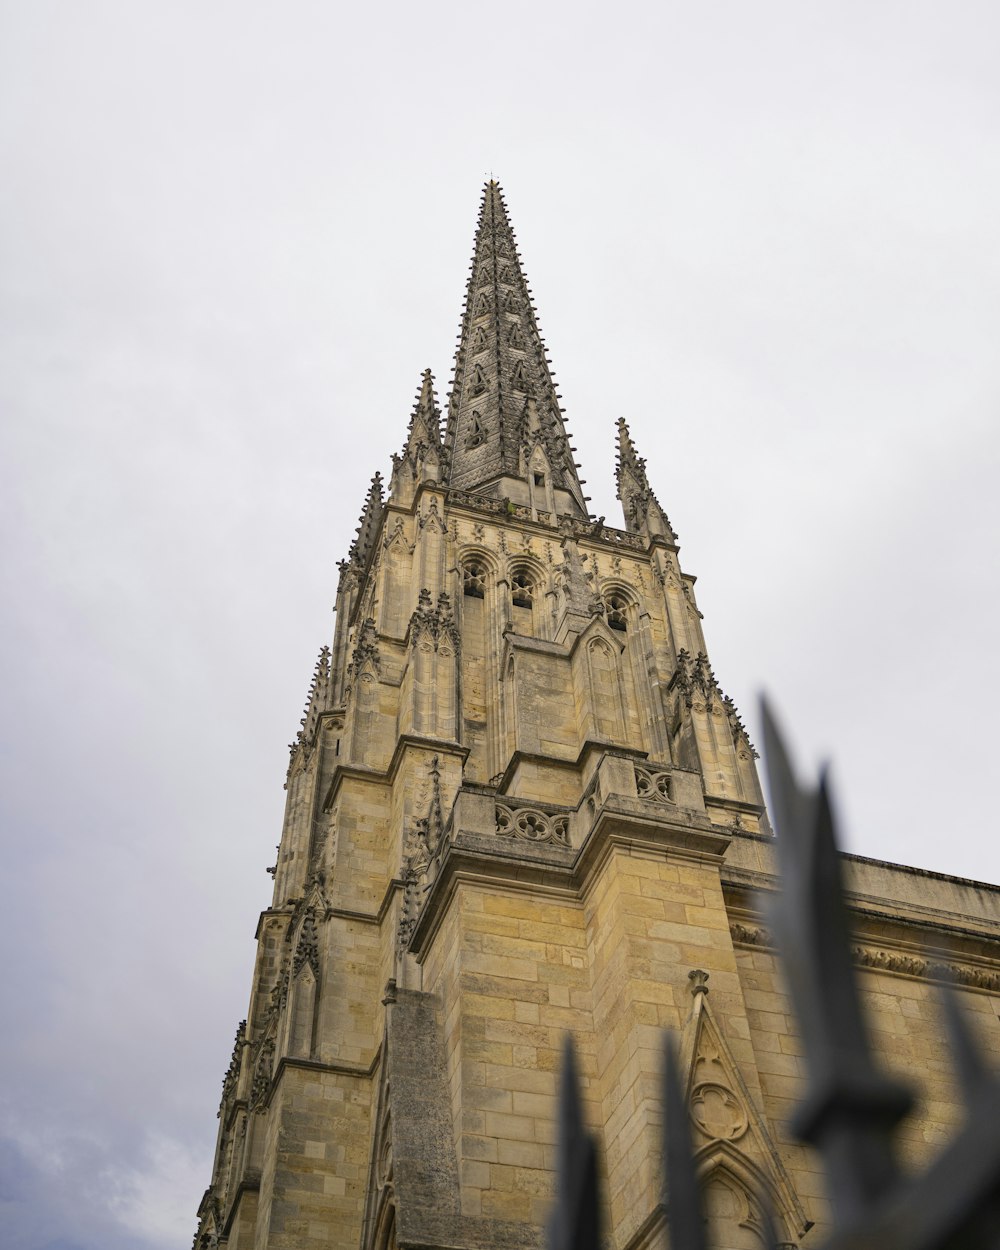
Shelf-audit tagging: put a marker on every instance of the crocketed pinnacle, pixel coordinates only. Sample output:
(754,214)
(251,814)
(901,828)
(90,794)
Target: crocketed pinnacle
(503,401)
(425,420)
(643,514)
(371,518)
(422,454)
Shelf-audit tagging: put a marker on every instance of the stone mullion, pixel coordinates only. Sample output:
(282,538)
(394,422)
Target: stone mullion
(495,623)
(646,679)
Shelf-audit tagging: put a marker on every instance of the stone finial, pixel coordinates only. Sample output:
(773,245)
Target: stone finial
(699,981)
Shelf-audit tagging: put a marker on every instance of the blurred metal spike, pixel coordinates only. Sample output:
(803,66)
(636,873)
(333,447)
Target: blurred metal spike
(767,1219)
(575,1220)
(787,799)
(681,1192)
(973,1075)
(851,1107)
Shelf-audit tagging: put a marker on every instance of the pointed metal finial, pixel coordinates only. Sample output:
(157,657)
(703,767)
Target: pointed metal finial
(851,1107)
(575,1220)
(682,1193)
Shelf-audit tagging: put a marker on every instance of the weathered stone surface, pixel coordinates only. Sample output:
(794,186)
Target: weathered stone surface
(520,805)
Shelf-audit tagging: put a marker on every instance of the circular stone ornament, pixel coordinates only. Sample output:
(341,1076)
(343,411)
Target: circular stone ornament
(716,1112)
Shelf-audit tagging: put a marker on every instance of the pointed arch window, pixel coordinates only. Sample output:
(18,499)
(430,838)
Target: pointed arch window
(616,611)
(474,580)
(521,589)
(476,434)
(479,339)
(478,381)
(515,338)
(518,378)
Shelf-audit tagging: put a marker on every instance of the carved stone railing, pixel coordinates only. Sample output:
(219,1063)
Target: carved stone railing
(595,530)
(616,538)
(532,824)
(653,783)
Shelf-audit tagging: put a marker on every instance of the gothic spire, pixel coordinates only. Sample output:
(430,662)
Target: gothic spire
(643,514)
(503,403)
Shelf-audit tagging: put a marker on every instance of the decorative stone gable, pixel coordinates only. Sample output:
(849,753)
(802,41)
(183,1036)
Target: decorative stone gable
(741,1169)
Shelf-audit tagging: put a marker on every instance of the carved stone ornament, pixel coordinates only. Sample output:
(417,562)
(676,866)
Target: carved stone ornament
(652,784)
(701,691)
(434,628)
(530,824)
(431,519)
(716,1112)
(365,650)
(262,1073)
(231,1079)
(887,961)
(307,947)
(397,535)
(422,852)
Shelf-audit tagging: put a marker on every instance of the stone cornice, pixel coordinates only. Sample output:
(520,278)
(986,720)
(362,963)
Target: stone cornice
(852,857)
(603,537)
(750,882)
(636,825)
(439,746)
(883,957)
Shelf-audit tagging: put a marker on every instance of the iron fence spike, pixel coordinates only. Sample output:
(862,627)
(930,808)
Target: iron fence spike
(851,1107)
(973,1075)
(575,1220)
(681,1192)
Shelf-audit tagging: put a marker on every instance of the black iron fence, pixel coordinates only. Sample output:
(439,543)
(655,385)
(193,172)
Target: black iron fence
(851,1109)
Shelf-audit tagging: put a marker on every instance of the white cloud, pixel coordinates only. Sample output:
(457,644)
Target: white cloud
(153,1198)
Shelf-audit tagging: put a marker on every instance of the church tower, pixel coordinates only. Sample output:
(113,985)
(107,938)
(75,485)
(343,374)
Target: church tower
(511,806)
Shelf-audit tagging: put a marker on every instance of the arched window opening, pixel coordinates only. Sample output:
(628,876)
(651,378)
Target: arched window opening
(476,433)
(520,589)
(615,609)
(474,580)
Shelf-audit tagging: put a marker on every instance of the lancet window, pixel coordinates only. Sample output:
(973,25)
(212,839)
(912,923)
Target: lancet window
(474,580)
(521,589)
(616,611)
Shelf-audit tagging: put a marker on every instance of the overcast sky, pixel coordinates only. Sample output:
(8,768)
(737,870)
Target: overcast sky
(234,234)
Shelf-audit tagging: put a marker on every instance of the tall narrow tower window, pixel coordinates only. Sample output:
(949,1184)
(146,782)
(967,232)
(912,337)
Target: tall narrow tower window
(474,580)
(615,609)
(520,593)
